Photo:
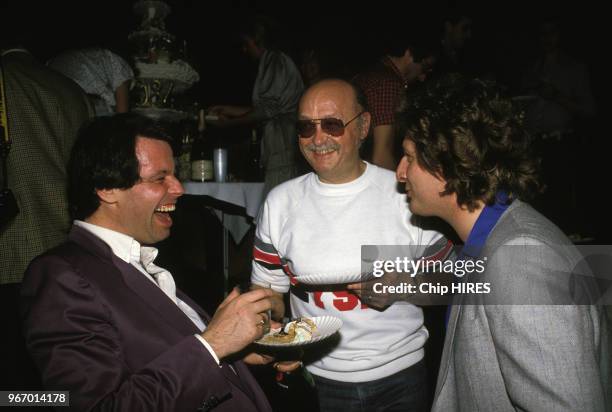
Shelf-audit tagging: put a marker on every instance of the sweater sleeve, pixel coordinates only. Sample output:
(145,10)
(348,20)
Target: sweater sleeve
(268,265)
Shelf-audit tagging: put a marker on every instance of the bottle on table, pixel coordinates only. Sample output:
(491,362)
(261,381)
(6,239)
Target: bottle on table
(184,157)
(254,167)
(202,154)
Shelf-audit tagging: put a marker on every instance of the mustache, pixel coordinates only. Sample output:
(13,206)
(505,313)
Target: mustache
(322,148)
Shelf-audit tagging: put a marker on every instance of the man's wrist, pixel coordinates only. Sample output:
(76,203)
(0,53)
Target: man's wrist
(208,347)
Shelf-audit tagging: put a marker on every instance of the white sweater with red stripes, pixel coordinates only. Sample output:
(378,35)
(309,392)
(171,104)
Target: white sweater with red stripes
(307,227)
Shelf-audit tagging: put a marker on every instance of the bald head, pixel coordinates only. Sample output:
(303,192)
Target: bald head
(333,152)
(339,88)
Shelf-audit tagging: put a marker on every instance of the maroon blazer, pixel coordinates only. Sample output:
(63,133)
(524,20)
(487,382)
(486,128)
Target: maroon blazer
(95,326)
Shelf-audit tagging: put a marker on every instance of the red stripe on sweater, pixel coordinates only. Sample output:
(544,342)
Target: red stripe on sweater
(270,258)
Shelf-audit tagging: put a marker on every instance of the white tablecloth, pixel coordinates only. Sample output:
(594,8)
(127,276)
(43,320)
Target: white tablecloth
(246,195)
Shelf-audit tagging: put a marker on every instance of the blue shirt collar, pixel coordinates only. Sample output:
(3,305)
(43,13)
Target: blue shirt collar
(484,225)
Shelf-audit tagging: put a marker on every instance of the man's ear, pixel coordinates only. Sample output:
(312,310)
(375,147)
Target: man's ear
(107,195)
(366,118)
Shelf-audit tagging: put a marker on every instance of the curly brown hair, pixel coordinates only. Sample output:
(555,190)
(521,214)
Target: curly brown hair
(466,132)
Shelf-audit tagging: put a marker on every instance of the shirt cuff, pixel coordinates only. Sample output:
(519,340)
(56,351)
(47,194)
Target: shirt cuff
(208,348)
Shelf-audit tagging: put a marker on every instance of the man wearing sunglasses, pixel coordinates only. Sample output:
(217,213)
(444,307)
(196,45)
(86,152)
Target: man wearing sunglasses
(314,226)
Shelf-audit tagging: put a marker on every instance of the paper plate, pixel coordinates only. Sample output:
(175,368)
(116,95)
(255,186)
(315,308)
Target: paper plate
(326,327)
(333,279)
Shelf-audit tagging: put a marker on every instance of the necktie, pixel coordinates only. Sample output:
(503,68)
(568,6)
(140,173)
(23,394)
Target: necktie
(162,276)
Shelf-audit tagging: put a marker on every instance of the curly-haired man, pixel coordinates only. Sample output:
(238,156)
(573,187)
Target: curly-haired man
(524,345)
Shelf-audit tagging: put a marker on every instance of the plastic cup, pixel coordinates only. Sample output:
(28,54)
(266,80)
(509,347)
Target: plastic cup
(220,165)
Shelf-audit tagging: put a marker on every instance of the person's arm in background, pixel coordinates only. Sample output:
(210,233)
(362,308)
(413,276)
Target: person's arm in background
(122,97)
(118,75)
(274,90)
(381,96)
(382,154)
(231,116)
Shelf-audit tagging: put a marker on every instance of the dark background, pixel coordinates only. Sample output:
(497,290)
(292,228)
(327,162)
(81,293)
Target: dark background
(503,43)
(503,32)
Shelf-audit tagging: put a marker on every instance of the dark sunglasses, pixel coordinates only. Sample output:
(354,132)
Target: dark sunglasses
(330,125)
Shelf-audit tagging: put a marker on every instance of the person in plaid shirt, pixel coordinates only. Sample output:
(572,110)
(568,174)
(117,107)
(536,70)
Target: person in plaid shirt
(404,63)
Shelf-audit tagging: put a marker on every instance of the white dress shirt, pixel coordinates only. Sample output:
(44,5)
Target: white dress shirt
(128,249)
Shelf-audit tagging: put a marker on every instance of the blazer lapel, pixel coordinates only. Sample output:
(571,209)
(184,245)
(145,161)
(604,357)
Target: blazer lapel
(155,297)
(236,379)
(205,316)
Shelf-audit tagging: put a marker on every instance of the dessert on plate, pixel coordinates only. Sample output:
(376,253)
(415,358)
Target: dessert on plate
(297,331)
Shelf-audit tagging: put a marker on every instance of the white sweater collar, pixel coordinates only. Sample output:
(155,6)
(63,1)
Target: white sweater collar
(341,189)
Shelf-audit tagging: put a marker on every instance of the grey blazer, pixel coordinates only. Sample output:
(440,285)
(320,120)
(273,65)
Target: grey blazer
(525,357)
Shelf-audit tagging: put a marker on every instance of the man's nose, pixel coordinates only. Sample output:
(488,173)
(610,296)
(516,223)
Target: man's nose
(400,172)
(176,187)
(320,135)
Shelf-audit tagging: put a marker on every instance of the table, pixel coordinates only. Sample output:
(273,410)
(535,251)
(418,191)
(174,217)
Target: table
(247,196)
